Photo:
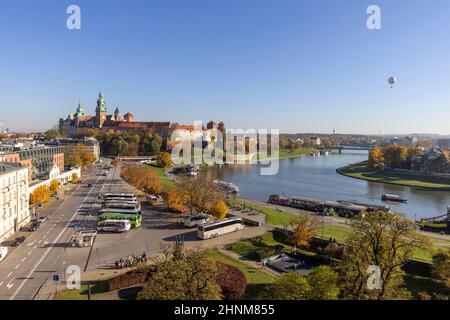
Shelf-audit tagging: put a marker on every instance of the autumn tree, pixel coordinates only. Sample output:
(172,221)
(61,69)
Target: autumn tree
(382,240)
(218,209)
(78,156)
(191,276)
(175,200)
(115,162)
(304,227)
(74,177)
(376,158)
(164,160)
(143,178)
(40,195)
(200,194)
(323,282)
(54,186)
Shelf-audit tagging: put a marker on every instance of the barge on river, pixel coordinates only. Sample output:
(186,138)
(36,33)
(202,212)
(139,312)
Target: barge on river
(342,208)
(393,197)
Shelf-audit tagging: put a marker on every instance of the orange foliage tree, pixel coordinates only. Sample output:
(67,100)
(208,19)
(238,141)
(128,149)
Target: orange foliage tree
(143,178)
(54,186)
(176,200)
(74,177)
(304,228)
(40,195)
(218,209)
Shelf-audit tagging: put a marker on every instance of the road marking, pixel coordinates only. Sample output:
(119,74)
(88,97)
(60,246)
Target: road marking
(39,241)
(1,283)
(9,274)
(10,285)
(34,247)
(47,251)
(23,259)
(29,252)
(17,266)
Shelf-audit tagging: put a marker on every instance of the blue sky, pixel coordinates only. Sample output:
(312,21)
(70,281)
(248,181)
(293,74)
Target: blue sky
(296,65)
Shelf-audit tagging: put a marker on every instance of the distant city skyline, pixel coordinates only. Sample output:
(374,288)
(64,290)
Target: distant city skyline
(295,65)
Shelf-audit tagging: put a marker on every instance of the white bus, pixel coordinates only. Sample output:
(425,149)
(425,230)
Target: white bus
(114,210)
(114,226)
(195,220)
(122,205)
(217,228)
(119,196)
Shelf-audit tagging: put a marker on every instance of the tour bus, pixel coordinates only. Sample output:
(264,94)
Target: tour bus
(214,229)
(119,211)
(114,225)
(195,220)
(120,205)
(119,196)
(135,219)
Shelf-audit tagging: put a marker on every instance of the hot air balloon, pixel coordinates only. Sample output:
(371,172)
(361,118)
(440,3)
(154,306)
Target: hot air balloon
(392,81)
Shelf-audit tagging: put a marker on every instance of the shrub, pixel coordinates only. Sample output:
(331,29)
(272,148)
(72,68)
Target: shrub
(129,279)
(232,281)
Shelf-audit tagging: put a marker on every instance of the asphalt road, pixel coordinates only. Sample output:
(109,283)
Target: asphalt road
(46,251)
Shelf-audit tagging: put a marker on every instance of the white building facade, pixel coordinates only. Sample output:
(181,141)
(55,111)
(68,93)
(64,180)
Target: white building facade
(14,199)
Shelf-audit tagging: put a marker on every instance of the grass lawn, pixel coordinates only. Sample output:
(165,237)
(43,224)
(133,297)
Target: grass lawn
(257,280)
(273,217)
(362,171)
(81,294)
(247,248)
(339,233)
(166,182)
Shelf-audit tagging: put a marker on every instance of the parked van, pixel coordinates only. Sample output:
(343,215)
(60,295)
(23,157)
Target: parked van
(3,253)
(195,220)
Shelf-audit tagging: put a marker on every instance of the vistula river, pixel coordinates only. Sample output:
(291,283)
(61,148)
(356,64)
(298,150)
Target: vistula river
(316,177)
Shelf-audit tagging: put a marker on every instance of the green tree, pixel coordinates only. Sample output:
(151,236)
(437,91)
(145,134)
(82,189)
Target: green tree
(441,268)
(51,134)
(191,276)
(324,284)
(290,286)
(385,240)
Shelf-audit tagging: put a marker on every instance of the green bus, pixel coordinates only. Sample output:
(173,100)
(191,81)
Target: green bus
(135,219)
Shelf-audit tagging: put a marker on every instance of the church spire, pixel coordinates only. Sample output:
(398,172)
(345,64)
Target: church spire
(101,105)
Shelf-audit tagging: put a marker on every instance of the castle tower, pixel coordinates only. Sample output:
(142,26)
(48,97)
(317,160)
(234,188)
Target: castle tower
(100,111)
(117,115)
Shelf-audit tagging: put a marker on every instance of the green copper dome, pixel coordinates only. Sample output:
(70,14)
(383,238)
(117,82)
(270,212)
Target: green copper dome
(80,110)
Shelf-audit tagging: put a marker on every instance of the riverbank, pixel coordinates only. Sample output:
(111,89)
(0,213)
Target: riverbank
(361,171)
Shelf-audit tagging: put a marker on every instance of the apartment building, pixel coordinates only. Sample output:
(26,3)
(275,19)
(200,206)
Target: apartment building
(14,198)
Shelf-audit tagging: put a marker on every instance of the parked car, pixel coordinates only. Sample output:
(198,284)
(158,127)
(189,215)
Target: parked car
(42,219)
(3,253)
(18,241)
(33,227)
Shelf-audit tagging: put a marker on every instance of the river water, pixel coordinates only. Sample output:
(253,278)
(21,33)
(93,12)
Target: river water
(316,177)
